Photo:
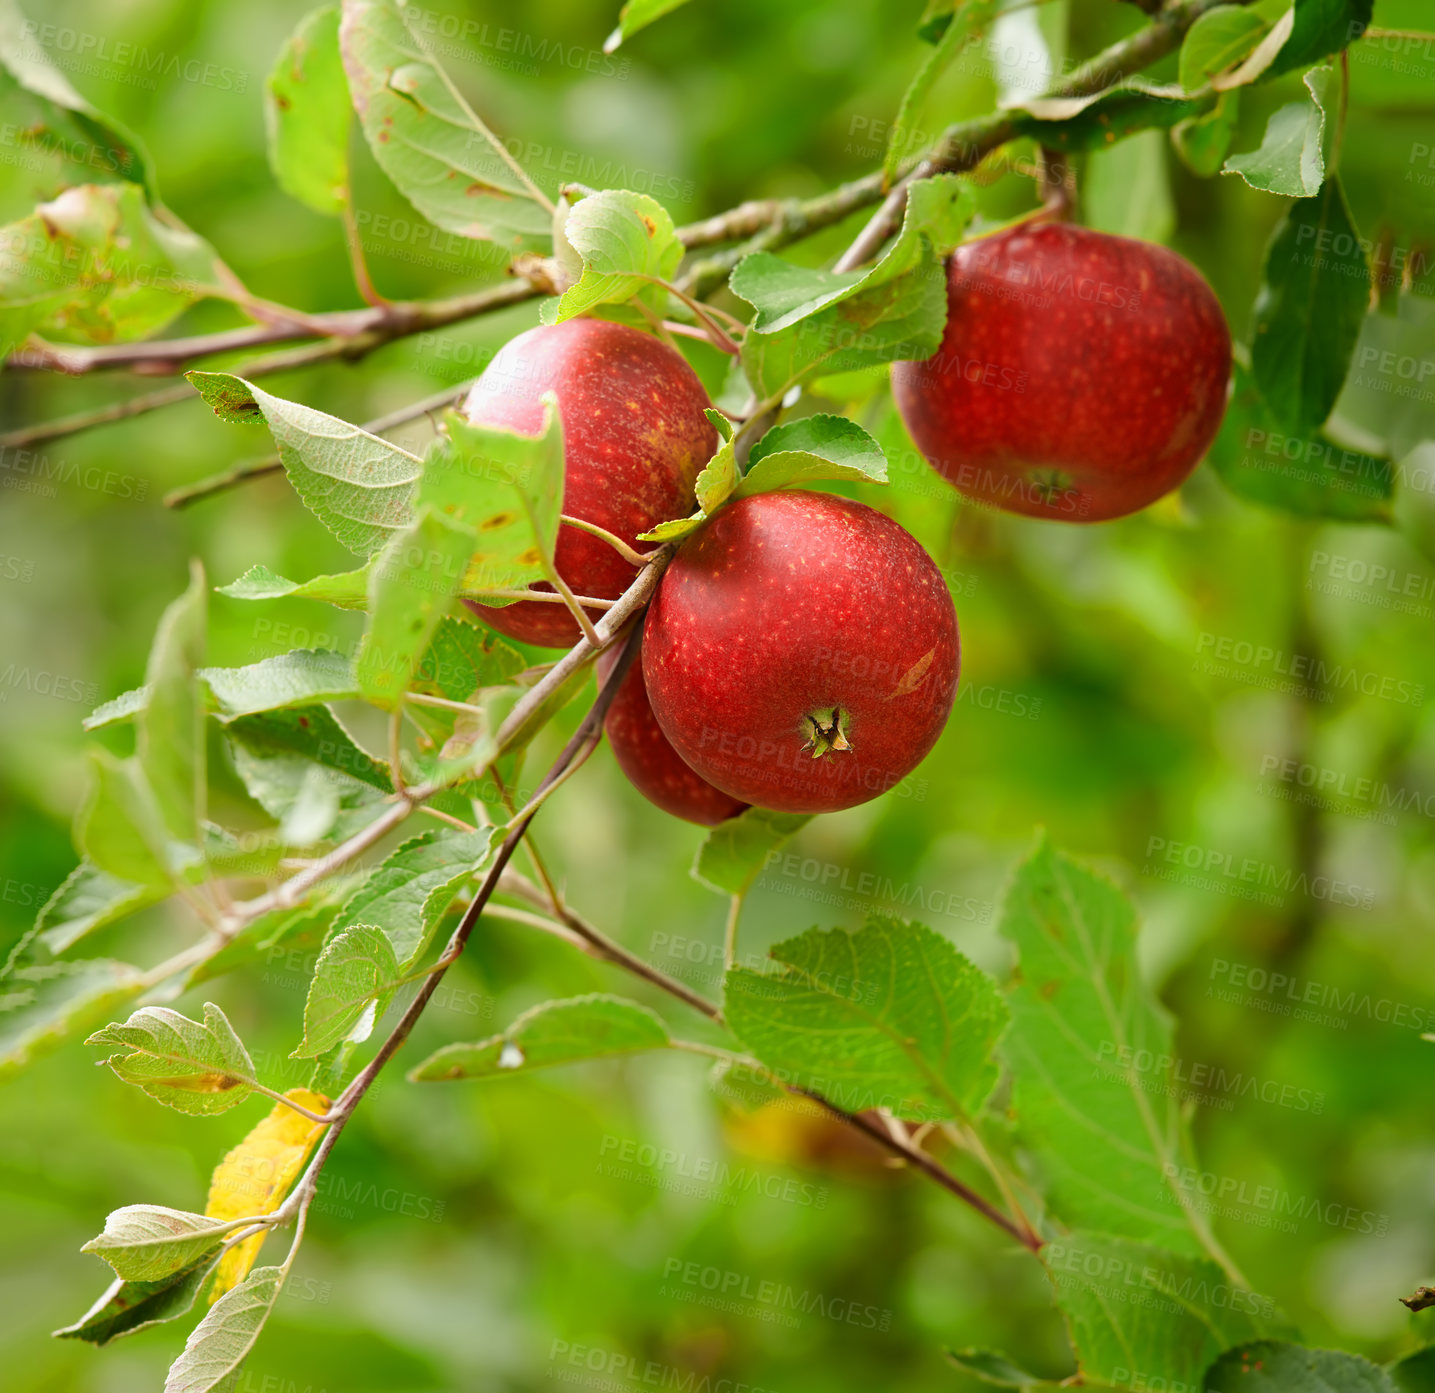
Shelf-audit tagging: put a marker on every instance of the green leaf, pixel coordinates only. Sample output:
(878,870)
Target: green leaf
(427,139)
(1291,157)
(733,853)
(936,16)
(675,529)
(990,1367)
(42,1006)
(306,110)
(1416,1372)
(557,1032)
(406,896)
(89,899)
(1320,28)
(1133,1310)
(148,1243)
(171,734)
(1203,141)
(94,264)
(359,486)
(1271,1367)
(298,678)
(638,14)
(1127,190)
(811,449)
(809,319)
(66,121)
(121,829)
(1389,395)
(624,240)
(963,26)
(507,489)
(1218,40)
(465,663)
(714,486)
(273,935)
(353,980)
(287,757)
(219,1343)
(1096,122)
(413,583)
(128,1307)
(348,591)
(463,658)
(1105,1136)
(1310,309)
(720,423)
(1301,473)
(194,1068)
(891,1016)
(303,677)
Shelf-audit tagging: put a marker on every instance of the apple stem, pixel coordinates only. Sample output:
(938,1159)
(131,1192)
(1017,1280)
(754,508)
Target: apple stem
(1057,184)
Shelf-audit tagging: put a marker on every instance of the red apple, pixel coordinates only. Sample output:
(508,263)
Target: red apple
(645,755)
(801,652)
(634,441)
(1081,377)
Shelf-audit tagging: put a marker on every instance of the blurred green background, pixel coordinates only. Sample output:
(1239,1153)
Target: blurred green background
(521,1234)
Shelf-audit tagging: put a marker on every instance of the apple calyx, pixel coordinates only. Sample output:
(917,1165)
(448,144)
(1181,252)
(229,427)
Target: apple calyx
(826,730)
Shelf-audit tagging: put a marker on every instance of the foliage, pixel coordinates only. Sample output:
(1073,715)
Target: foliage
(281,799)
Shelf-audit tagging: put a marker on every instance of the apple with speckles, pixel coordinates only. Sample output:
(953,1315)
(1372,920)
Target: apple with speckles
(1081,376)
(801,652)
(634,441)
(647,757)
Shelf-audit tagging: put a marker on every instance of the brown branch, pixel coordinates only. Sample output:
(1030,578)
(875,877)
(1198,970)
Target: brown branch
(99,416)
(599,945)
(588,730)
(929,1167)
(606,949)
(966,144)
(765,224)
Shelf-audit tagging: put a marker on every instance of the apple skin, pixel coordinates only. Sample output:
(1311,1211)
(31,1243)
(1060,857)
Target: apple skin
(634,441)
(1081,376)
(789,604)
(647,757)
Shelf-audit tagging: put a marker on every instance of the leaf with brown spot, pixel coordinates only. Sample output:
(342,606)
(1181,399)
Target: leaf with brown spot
(440,155)
(308,114)
(193,1067)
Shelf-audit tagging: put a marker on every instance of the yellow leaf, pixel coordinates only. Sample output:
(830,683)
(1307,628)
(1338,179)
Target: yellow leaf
(257,1175)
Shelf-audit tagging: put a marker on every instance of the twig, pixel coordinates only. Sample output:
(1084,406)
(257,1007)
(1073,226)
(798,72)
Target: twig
(966,144)
(729,938)
(633,600)
(636,558)
(357,262)
(529,706)
(609,949)
(542,597)
(933,1169)
(297,1204)
(767,225)
(575,608)
(449,818)
(614,952)
(99,416)
(543,922)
